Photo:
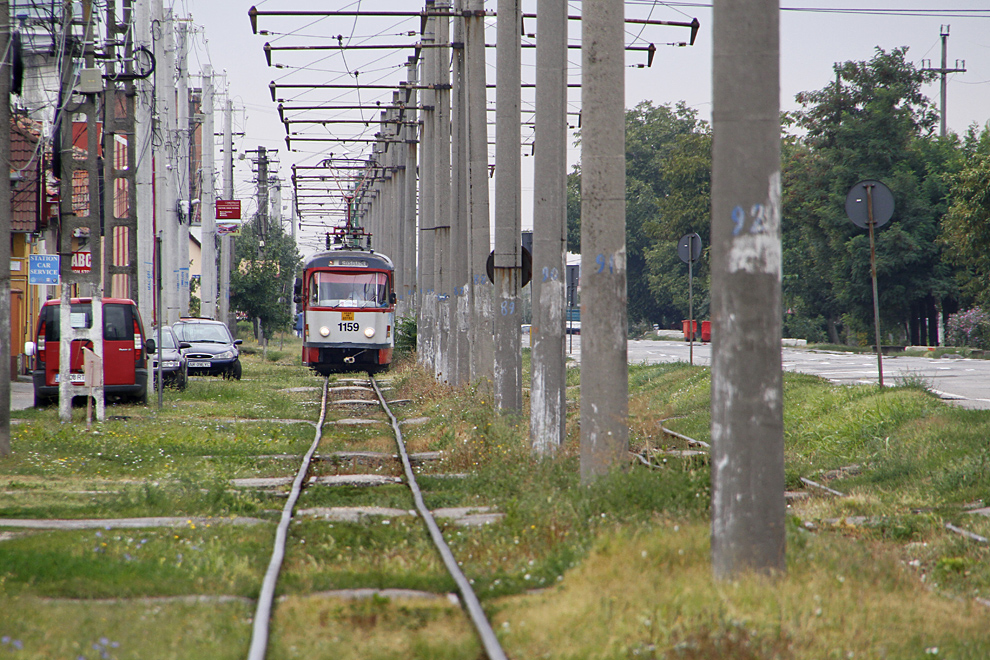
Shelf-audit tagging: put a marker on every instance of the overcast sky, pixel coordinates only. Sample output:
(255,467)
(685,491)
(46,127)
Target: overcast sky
(811,41)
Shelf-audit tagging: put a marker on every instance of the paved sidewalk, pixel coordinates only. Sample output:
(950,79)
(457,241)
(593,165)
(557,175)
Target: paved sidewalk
(21,393)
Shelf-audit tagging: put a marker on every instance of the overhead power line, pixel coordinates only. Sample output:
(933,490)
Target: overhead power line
(876,11)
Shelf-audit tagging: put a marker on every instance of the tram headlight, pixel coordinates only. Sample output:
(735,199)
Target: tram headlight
(324,331)
(369,332)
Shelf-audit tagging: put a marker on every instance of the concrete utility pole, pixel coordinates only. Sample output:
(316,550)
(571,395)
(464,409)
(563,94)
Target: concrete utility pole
(479,225)
(441,194)
(460,303)
(261,227)
(548,393)
(227,242)
(145,171)
(943,71)
(747,397)
(207,205)
(508,223)
(397,221)
(183,169)
(604,370)
(71,222)
(6,350)
(411,132)
(166,160)
(426,323)
(120,226)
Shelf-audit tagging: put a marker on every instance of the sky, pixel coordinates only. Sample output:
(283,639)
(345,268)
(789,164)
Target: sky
(814,35)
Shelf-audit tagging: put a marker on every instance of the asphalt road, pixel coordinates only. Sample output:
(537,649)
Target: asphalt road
(964,382)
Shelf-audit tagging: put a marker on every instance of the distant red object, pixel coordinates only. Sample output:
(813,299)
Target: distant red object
(706,331)
(687,327)
(228,209)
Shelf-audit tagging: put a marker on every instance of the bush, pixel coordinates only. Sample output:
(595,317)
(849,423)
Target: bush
(970,328)
(405,334)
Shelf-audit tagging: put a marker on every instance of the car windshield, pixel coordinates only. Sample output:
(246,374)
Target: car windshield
(203,332)
(167,339)
(349,289)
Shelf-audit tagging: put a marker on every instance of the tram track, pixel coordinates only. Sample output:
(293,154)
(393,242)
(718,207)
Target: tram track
(261,626)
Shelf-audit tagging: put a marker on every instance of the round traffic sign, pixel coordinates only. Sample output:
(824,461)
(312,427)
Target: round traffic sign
(858,203)
(689,247)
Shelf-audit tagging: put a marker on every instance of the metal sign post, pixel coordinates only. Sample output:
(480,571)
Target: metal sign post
(870,204)
(689,249)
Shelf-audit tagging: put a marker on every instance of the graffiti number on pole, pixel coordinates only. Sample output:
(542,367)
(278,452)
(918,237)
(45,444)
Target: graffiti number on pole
(757,215)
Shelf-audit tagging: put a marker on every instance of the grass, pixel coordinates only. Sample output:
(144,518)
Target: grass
(616,569)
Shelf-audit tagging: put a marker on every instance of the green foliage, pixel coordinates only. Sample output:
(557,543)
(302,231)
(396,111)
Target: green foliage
(668,166)
(966,227)
(970,328)
(405,334)
(872,122)
(261,282)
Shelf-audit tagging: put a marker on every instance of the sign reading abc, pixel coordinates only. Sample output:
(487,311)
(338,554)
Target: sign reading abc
(82,261)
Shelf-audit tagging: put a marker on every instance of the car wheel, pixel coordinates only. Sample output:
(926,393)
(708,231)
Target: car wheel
(41,401)
(235,370)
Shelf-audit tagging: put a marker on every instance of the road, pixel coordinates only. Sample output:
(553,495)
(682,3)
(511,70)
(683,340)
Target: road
(964,382)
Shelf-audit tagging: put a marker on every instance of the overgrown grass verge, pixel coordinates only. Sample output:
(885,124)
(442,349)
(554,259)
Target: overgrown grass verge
(615,569)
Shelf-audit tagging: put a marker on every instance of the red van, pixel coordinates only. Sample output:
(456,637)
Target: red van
(125,366)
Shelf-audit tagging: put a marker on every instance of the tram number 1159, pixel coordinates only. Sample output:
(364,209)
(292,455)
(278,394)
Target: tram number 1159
(348,326)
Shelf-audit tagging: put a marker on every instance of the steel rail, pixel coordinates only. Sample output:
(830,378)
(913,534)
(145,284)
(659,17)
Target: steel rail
(488,639)
(263,613)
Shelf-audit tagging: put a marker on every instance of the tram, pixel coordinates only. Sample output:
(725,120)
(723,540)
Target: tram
(347,299)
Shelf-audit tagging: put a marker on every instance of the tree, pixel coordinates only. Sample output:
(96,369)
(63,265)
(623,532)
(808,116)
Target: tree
(668,165)
(261,284)
(966,228)
(872,122)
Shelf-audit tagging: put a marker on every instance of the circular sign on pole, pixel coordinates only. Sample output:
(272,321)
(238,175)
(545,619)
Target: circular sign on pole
(858,203)
(689,247)
(527,267)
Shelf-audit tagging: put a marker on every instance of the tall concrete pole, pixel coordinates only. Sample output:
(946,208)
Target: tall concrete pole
(548,392)
(747,401)
(604,371)
(166,184)
(6,349)
(145,170)
(207,205)
(459,302)
(227,242)
(508,222)
(426,322)
(184,165)
(479,223)
(396,222)
(411,132)
(441,194)
(261,227)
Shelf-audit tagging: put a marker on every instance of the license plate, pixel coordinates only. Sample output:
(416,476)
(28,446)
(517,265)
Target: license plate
(73,378)
(347,316)
(194,364)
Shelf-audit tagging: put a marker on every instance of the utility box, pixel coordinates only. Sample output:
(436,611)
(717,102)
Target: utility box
(91,81)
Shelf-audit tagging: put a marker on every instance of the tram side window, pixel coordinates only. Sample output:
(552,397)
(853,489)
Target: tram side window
(349,290)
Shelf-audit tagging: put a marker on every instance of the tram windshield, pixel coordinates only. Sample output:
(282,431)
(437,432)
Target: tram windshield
(349,289)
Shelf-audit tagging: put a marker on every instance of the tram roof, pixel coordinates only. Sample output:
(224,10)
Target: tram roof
(349,258)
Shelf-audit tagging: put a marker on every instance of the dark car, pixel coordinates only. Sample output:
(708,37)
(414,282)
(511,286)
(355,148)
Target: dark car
(173,362)
(125,370)
(212,351)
